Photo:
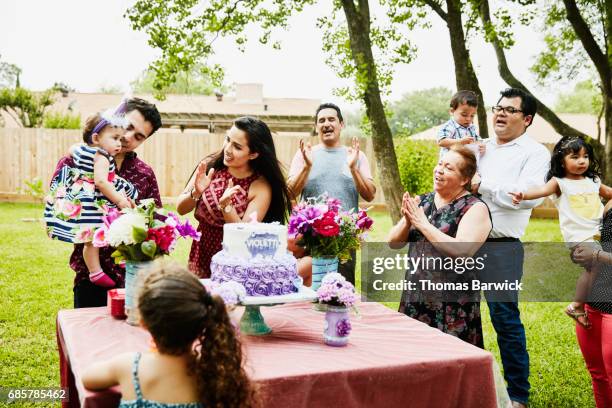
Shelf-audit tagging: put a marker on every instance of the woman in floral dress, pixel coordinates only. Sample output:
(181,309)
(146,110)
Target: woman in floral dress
(242,181)
(449,222)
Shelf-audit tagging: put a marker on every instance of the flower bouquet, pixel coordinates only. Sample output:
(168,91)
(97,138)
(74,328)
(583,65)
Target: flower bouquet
(143,233)
(338,295)
(325,229)
(139,235)
(328,232)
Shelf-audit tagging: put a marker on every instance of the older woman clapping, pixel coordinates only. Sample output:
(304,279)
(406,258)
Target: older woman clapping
(452,223)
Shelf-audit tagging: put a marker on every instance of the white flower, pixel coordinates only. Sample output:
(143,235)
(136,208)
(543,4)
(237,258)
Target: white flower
(121,232)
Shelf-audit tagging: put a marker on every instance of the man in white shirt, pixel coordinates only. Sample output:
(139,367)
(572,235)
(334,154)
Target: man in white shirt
(513,162)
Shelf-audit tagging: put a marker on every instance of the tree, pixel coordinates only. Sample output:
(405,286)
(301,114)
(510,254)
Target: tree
(465,76)
(185,33)
(586,25)
(9,75)
(25,107)
(583,99)
(420,110)
(500,36)
(195,81)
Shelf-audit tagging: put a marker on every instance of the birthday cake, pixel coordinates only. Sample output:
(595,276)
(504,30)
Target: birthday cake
(255,255)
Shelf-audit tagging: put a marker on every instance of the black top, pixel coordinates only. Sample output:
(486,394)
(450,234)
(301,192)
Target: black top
(602,286)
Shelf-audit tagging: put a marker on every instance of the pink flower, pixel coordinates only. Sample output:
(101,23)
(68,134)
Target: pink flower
(334,204)
(164,237)
(327,225)
(84,235)
(99,237)
(363,221)
(111,215)
(70,209)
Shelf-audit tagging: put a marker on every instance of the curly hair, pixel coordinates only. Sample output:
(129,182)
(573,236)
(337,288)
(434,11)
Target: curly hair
(568,145)
(180,314)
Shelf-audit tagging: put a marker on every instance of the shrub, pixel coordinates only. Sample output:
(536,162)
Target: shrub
(416,160)
(58,120)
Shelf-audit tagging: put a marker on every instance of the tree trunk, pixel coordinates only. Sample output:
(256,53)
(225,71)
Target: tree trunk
(464,72)
(547,114)
(358,21)
(602,60)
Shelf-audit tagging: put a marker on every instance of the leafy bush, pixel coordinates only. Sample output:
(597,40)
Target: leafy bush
(416,160)
(58,120)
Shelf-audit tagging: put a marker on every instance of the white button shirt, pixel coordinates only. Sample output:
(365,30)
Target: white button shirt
(510,167)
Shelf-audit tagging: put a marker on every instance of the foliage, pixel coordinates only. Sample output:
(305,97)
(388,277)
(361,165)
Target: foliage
(33,188)
(9,75)
(58,120)
(185,31)
(24,106)
(389,42)
(584,99)
(196,81)
(564,57)
(416,160)
(419,110)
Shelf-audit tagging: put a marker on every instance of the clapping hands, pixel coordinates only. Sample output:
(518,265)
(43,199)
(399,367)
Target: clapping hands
(413,213)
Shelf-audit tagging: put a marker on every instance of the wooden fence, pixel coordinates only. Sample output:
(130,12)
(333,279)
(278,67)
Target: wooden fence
(31,154)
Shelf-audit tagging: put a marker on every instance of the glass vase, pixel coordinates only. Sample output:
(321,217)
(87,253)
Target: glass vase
(321,266)
(337,326)
(135,273)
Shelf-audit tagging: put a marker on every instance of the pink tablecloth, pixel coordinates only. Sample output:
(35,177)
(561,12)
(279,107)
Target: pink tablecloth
(391,360)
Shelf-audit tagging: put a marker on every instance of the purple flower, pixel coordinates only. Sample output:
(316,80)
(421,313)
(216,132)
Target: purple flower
(335,289)
(312,213)
(334,204)
(298,224)
(364,222)
(231,292)
(343,327)
(187,230)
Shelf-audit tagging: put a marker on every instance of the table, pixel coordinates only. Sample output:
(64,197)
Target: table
(391,360)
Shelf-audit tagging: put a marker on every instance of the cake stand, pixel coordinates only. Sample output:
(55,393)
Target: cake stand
(252,321)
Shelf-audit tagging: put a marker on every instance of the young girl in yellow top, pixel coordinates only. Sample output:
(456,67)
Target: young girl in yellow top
(574,180)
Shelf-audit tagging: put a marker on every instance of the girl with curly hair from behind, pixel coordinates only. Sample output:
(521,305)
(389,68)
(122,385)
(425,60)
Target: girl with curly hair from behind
(198,362)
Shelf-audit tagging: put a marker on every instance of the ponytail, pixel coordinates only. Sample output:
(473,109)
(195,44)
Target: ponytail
(222,380)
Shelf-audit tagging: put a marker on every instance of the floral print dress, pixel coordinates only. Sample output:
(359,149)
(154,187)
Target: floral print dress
(74,206)
(460,317)
(211,220)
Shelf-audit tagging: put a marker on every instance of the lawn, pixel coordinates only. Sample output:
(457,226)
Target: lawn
(35,282)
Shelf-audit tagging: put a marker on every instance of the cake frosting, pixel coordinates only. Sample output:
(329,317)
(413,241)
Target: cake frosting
(255,255)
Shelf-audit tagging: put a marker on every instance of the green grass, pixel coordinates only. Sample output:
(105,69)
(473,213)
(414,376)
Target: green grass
(36,282)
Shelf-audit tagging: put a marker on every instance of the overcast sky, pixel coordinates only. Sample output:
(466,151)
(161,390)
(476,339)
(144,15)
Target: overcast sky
(88,44)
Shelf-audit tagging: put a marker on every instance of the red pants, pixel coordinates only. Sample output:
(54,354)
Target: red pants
(596,346)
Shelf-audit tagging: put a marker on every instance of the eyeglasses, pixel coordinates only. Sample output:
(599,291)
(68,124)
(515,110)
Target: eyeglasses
(509,110)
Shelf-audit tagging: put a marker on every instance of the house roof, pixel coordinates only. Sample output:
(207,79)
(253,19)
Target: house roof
(540,130)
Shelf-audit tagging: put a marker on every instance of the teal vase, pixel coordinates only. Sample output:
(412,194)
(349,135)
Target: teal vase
(135,273)
(321,266)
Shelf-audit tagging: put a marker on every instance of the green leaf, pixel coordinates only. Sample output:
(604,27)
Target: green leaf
(149,248)
(139,234)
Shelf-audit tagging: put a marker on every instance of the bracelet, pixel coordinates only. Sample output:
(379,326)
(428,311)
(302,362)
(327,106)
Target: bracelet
(191,194)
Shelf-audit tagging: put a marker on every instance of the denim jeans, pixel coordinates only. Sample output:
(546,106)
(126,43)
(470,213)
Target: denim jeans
(505,261)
